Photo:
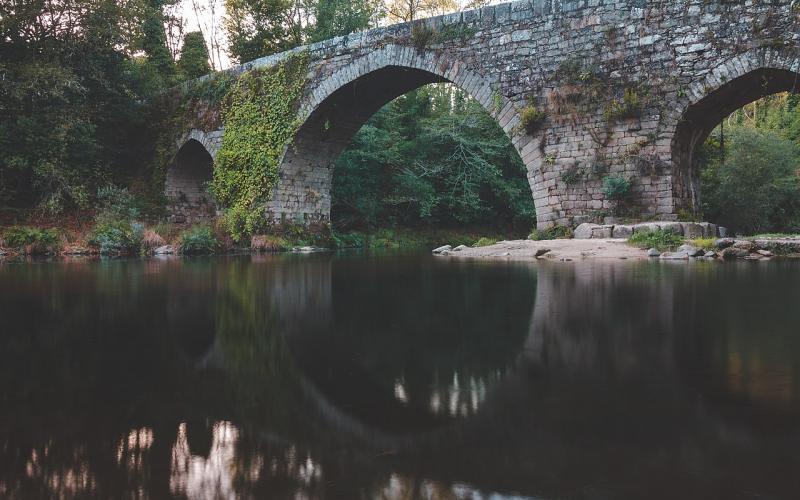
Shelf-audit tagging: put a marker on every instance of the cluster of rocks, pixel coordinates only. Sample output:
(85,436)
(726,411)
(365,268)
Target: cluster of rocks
(448,249)
(688,230)
(730,248)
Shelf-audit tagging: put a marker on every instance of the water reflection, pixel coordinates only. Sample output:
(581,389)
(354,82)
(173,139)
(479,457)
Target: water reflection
(398,377)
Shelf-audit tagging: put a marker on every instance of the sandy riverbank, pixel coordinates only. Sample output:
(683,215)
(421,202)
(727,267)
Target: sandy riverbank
(561,250)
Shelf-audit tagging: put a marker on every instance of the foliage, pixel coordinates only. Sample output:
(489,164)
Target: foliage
(756,188)
(32,240)
(194,57)
(348,240)
(433,156)
(531,118)
(616,187)
(485,242)
(422,35)
(629,106)
(269,243)
(551,233)
(659,239)
(198,240)
(115,203)
(70,98)
(573,174)
(117,237)
(341,17)
(256,28)
(704,243)
(260,120)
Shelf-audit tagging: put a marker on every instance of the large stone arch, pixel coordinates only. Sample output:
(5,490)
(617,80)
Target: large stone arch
(338,107)
(727,87)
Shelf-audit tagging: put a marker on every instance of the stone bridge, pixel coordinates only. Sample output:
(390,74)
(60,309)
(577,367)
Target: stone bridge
(584,89)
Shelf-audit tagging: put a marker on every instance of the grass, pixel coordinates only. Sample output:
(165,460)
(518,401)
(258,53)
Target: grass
(659,239)
(269,243)
(32,240)
(704,243)
(485,242)
(551,233)
(398,237)
(775,235)
(198,240)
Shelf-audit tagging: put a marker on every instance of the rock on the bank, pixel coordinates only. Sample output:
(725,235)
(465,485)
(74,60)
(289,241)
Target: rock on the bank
(675,256)
(585,231)
(691,250)
(164,250)
(653,253)
(442,250)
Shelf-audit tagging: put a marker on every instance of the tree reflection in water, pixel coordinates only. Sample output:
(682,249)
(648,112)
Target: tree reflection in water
(397,377)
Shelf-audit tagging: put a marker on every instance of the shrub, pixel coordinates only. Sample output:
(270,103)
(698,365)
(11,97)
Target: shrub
(531,118)
(551,233)
(32,240)
(167,230)
(422,35)
(659,239)
(151,240)
(704,243)
(116,204)
(198,240)
(616,187)
(268,243)
(348,240)
(117,237)
(485,242)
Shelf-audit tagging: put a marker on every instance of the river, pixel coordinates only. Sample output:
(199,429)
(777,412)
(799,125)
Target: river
(400,376)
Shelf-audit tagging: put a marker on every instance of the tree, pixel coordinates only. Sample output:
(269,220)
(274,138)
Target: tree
(260,27)
(410,10)
(340,17)
(194,57)
(757,188)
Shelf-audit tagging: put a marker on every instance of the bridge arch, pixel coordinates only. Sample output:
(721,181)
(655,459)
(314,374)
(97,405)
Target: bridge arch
(340,104)
(186,179)
(727,87)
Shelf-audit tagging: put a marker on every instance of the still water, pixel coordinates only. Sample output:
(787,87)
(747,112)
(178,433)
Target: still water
(399,376)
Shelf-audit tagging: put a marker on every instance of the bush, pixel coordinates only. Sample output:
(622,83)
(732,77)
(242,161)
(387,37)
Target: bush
(551,233)
(348,240)
(151,240)
(659,239)
(32,240)
(531,118)
(116,204)
(267,243)
(117,237)
(616,187)
(198,240)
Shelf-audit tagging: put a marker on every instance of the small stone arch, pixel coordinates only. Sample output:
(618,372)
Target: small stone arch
(338,107)
(729,86)
(185,188)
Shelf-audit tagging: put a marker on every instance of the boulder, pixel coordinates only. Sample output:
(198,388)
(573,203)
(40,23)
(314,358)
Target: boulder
(675,256)
(722,231)
(308,249)
(764,253)
(602,232)
(622,232)
(745,245)
(734,253)
(584,231)
(648,226)
(692,230)
(692,250)
(709,229)
(724,243)
(710,255)
(541,251)
(673,227)
(164,250)
(442,249)
(459,248)
(653,253)
(76,251)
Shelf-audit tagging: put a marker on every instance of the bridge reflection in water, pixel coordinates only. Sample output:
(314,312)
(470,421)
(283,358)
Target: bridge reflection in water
(398,377)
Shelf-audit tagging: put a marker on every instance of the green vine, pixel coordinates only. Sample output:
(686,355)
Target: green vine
(260,115)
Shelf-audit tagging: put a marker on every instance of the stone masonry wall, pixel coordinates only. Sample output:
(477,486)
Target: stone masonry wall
(614,80)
